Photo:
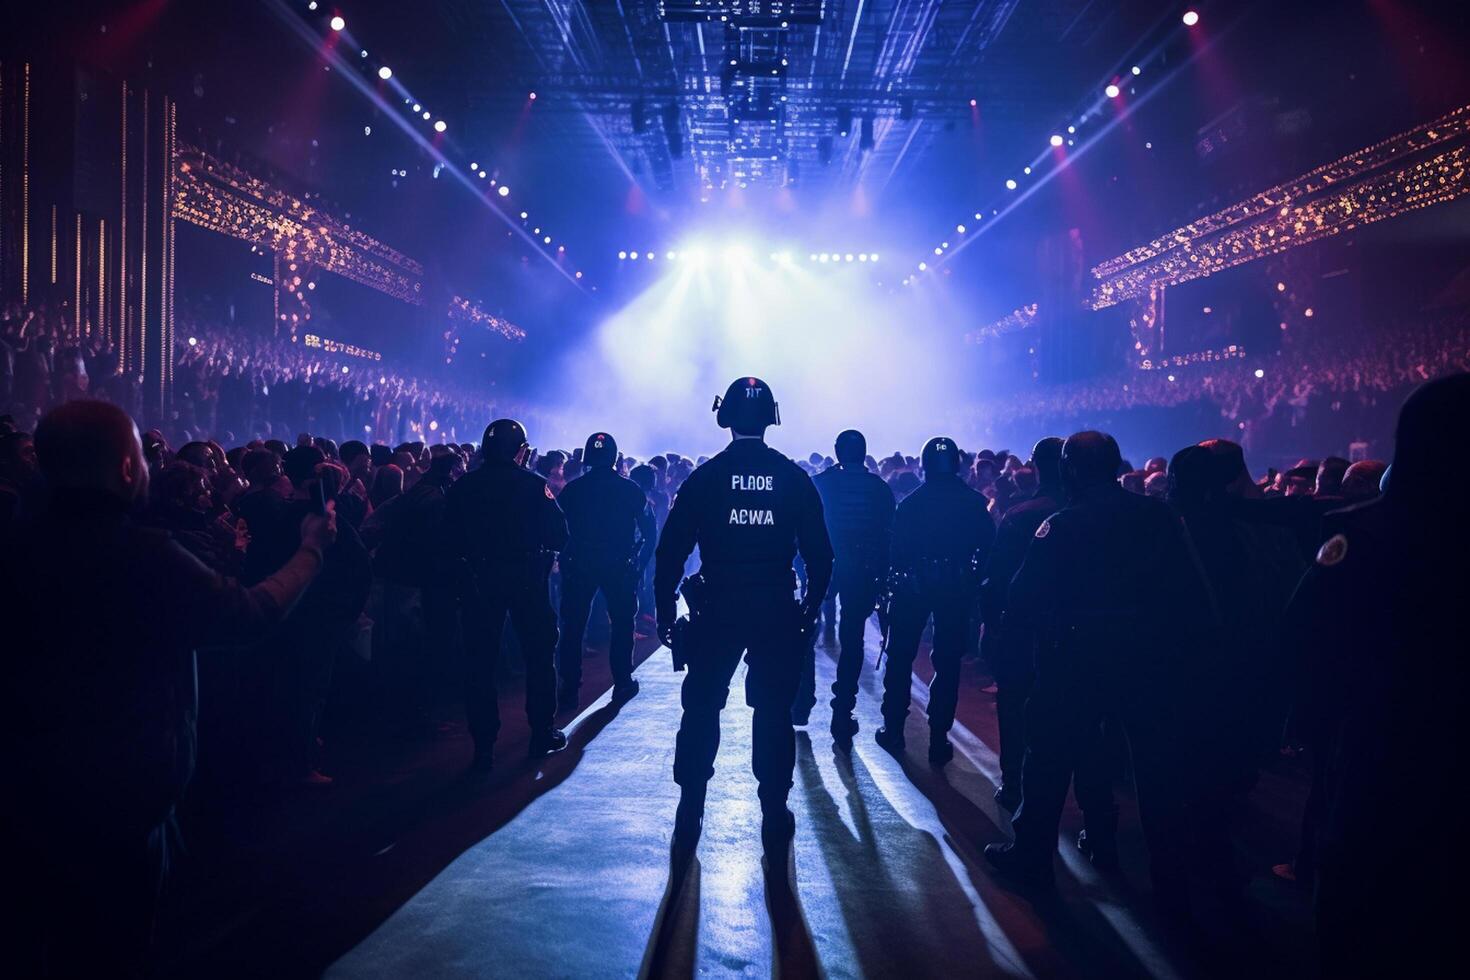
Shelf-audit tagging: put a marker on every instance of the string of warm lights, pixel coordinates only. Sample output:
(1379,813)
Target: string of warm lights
(1440,178)
(1066,137)
(784,257)
(1018,319)
(339,347)
(1195,357)
(222,198)
(466,311)
(420,114)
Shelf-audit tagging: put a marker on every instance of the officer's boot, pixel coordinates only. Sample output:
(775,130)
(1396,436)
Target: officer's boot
(547,742)
(567,700)
(890,737)
(625,690)
(844,727)
(1021,866)
(1100,846)
(940,748)
(689,818)
(778,826)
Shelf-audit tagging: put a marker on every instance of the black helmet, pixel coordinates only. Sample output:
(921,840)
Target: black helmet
(851,447)
(940,455)
(1089,459)
(748,406)
(505,440)
(601,450)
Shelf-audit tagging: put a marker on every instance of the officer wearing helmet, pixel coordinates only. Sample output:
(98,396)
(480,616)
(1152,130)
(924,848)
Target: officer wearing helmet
(749,510)
(1106,569)
(502,527)
(859,509)
(611,540)
(941,535)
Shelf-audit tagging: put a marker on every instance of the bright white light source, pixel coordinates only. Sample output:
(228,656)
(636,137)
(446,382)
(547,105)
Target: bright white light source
(1260,372)
(338,23)
(923,266)
(632,255)
(1010,183)
(193,341)
(1112,91)
(440,126)
(623,254)
(1056,140)
(503,190)
(1190,18)
(385,73)
(960,229)
(1137,70)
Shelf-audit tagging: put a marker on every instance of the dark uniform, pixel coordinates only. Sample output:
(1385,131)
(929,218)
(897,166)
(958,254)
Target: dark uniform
(1112,587)
(1380,620)
(504,524)
(611,538)
(940,532)
(749,509)
(1012,654)
(859,508)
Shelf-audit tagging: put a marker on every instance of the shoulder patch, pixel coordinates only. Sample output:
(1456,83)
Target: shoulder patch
(1044,529)
(546,489)
(1333,551)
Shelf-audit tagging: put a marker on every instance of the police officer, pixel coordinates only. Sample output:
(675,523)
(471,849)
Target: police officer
(1380,621)
(749,509)
(611,539)
(502,524)
(941,534)
(1011,656)
(859,508)
(1108,569)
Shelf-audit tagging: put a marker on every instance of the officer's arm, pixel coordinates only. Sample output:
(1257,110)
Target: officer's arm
(553,522)
(1029,601)
(886,504)
(674,547)
(647,533)
(814,543)
(217,609)
(903,540)
(1004,561)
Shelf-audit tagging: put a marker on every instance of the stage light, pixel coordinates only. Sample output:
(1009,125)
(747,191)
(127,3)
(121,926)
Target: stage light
(524,216)
(960,229)
(427,115)
(1010,183)
(849,256)
(632,255)
(938,251)
(311,5)
(1056,140)
(623,255)
(193,341)
(1112,91)
(973,103)
(1190,18)
(345,369)
(862,256)
(1071,129)
(1026,171)
(338,23)
(483,175)
(1137,70)
(923,266)
(546,240)
(417,107)
(533,96)
(579,273)
(503,191)
(1307,311)
(367,130)
(1171,377)
(1281,287)
(440,126)
(385,73)
(671,256)
(474,166)
(1260,372)
(736,253)
(978,216)
(873,257)
(648,256)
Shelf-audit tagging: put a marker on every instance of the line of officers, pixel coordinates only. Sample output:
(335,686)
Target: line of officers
(1064,585)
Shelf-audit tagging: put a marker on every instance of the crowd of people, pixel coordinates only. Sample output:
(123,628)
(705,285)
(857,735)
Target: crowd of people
(125,554)
(230,381)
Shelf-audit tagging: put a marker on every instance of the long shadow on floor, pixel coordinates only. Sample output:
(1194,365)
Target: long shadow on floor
(905,912)
(673,945)
(322,908)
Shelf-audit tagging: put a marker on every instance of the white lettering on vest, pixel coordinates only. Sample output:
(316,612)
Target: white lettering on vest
(740,481)
(744,516)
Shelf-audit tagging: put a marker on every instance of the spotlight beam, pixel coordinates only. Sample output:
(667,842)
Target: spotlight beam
(349,71)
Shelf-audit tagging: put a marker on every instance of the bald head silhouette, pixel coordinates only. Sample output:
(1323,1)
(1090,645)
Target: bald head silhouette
(92,445)
(1046,456)
(1089,459)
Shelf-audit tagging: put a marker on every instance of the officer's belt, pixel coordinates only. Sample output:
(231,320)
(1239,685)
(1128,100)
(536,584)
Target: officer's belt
(766,575)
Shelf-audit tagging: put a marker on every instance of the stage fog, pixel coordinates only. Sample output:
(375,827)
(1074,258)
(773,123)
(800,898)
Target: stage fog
(840,348)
